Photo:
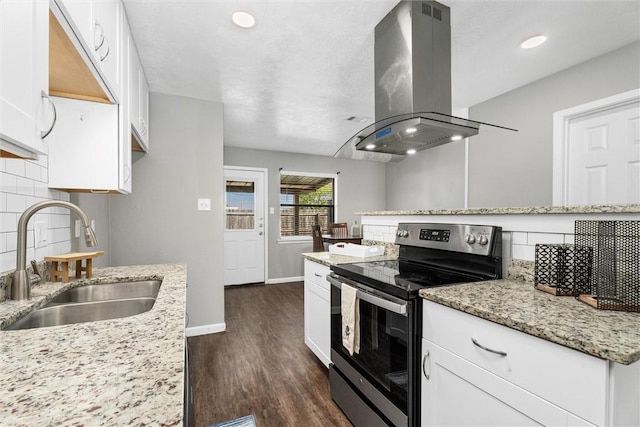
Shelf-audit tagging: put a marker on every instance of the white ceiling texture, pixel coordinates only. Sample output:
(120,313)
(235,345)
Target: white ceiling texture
(290,83)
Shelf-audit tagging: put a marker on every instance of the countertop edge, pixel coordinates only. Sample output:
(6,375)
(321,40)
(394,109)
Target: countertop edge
(594,209)
(541,328)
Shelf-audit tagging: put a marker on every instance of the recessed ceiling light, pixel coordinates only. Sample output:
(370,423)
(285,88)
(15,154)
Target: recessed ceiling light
(243,19)
(370,146)
(411,130)
(411,151)
(532,42)
(456,137)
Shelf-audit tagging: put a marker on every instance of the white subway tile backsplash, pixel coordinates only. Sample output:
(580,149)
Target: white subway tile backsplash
(8,183)
(15,167)
(519,238)
(25,186)
(32,171)
(552,238)
(22,184)
(525,252)
(15,203)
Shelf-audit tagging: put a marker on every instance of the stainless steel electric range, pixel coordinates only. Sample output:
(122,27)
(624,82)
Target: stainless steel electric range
(380,385)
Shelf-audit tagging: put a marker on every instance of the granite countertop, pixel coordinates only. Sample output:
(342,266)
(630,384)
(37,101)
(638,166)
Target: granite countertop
(591,209)
(606,334)
(329,259)
(114,372)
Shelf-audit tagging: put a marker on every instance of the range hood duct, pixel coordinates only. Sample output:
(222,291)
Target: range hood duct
(412,86)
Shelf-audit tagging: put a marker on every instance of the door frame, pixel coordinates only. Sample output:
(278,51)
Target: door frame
(265,241)
(561,122)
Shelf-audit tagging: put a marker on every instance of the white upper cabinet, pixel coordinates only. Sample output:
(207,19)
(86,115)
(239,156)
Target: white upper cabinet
(94,27)
(138,99)
(90,148)
(26,114)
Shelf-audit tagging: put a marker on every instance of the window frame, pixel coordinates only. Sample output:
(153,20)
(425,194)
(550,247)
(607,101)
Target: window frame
(294,239)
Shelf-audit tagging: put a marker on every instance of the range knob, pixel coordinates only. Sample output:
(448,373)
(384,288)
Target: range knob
(470,239)
(402,233)
(483,240)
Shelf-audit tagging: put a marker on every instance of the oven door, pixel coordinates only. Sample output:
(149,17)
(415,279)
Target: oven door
(382,370)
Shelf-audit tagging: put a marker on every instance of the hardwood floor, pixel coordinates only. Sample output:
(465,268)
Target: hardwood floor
(261,365)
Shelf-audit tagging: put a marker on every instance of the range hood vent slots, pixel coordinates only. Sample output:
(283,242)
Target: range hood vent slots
(412,86)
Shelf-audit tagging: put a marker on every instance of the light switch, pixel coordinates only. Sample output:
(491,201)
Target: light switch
(272,211)
(78,228)
(204,204)
(40,229)
(93,225)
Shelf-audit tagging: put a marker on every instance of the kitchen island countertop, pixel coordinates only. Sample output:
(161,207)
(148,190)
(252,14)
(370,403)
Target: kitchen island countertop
(610,335)
(328,259)
(114,372)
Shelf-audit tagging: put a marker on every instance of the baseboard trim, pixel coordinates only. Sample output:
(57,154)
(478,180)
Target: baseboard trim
(285,280)
(205,329)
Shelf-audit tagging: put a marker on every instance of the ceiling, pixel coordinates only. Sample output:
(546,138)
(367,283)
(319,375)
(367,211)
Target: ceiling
(290,83)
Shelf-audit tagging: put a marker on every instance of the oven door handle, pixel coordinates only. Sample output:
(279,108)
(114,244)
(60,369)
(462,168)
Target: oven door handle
(378,301)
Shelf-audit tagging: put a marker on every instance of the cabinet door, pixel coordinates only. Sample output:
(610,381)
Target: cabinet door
(317,310)
(84,147)
(138,98)
(24,41)
(106,41)
(456,392)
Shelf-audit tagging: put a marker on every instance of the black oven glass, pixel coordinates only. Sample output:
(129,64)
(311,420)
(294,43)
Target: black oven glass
(383,356)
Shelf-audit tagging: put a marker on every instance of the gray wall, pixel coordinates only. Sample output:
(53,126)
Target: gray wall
(506,168)
(430,179)
(516,170)
(361,186)
(159,222)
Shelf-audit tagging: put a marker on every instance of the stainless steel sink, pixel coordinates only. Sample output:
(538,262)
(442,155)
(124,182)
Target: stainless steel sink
(82,312)
(109,291)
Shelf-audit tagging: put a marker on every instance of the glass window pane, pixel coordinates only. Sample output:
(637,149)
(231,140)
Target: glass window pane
(303,201)
(240,205)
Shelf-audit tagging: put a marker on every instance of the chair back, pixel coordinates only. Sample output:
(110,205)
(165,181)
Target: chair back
(318,244)
(339,230)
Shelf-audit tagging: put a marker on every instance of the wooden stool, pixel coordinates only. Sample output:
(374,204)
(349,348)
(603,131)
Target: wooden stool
(64,260)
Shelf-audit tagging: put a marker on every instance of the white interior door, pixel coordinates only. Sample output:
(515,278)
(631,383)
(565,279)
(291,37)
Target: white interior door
(601,153)
(244,235)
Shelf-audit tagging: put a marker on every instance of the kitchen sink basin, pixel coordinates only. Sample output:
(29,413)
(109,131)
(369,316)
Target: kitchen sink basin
(109,291)
(81,312)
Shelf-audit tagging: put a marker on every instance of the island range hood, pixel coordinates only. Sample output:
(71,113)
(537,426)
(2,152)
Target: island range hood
(412,86)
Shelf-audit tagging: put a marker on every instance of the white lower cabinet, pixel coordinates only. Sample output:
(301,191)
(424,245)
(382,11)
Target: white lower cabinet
(509,378)
(317,310)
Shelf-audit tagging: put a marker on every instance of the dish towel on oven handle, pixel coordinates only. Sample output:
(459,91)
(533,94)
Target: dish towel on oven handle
(350,313)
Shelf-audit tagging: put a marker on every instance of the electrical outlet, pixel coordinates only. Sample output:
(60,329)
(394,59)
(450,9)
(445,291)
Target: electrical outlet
(93,225)
(40,233)
(204,204)
(78,228)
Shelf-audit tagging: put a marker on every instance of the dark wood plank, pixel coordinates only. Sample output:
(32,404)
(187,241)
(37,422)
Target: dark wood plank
(261,365)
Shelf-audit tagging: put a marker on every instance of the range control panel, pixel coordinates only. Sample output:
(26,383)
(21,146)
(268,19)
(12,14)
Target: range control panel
(475,239)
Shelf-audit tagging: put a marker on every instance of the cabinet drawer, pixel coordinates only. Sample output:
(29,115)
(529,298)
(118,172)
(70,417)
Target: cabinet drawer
(572,380)
(316,274)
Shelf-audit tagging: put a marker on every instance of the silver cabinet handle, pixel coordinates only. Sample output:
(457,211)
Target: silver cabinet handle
(127,168)
(143,126)
(498,352)
(426,360)
(45,133)
(98,36)
(103,57)
(317,275)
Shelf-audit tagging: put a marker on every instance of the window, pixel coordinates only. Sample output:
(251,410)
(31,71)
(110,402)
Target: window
(304,199)
(240,207)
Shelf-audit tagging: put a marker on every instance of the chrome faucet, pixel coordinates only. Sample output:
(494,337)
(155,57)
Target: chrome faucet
(21,284)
